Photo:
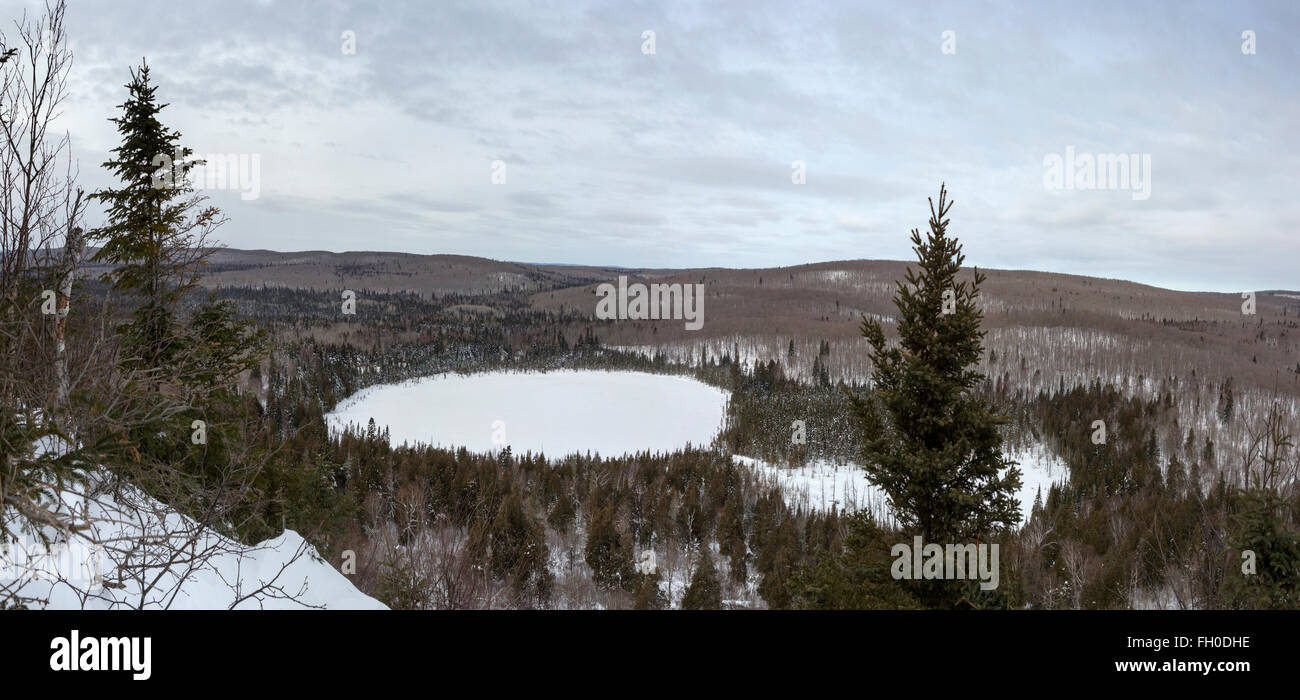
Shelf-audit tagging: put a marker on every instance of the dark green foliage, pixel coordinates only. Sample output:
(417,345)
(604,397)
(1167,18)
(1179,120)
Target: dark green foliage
(648,594)
(779,556)
(765,404)
(402,586)
(153,238)
(219,347)
(857,578)
(704,592)
(519,552)
(932,443)
(1263,526)
(563,513)
(609,552)
(731,540)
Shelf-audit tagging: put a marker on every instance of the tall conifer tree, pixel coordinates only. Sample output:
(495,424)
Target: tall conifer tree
(156,240)
(156,228)
(931,442)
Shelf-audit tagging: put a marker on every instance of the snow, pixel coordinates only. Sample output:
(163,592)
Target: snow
(1039,468)
(176,564)
(558,413)
(822,485)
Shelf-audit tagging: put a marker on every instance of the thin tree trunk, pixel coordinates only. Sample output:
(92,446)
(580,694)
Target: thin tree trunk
(73,247)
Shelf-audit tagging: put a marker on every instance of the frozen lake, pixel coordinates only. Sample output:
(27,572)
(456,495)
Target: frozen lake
(557,413)
(609,413)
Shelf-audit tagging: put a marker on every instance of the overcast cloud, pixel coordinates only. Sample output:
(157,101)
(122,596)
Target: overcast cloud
(683,158)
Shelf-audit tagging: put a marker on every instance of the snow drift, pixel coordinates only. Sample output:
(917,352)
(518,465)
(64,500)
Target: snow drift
(136,553)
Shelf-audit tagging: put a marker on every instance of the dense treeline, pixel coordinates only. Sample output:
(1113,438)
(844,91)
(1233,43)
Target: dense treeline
(764,408)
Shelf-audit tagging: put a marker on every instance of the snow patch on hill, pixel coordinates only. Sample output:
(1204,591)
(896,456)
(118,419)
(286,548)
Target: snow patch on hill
(138,554)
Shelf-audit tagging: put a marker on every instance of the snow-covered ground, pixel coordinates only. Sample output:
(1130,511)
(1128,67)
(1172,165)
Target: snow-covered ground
(138,554)
(1039,468)
(557,413)
(822,485)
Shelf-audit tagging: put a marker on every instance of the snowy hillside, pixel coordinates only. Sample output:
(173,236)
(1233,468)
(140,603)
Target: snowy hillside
(137,554)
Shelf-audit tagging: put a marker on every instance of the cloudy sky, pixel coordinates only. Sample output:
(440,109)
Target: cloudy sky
(686,156)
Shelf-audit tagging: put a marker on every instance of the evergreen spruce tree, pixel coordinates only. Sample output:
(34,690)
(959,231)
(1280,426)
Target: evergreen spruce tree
(155,240)
(1175,476)
(649,596)
(608,553)
(217,348)
(777,561)
(704,592)
(1261,528)
(156,227)
(562,513)
(731,539)
(931,443)
(1265,524)
(1226,401)
(519,551)
(856,579)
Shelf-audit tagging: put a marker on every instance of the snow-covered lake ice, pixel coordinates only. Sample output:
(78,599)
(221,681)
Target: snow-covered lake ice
(556,413)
